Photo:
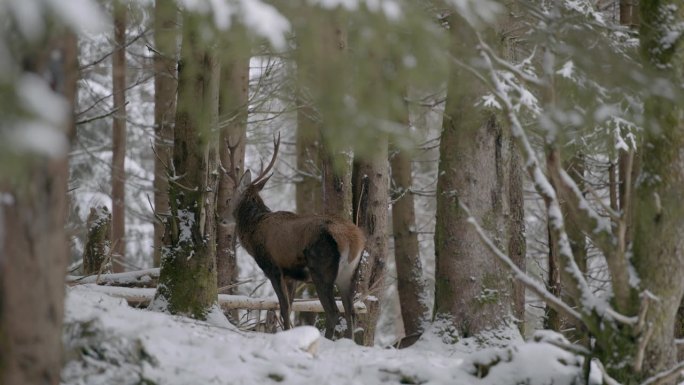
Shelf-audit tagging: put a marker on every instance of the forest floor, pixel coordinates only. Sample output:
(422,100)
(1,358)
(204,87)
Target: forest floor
(108,342)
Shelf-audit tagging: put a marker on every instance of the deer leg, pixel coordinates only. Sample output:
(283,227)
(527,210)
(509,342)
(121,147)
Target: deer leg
(324,288)
(280,287)
(349,315)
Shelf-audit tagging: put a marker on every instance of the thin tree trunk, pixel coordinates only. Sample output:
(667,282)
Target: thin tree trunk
(233,106)
(410,283)
(552,317)
(119,138)
(371,199)
(517,246)
(33,244)
(575,167)
(165,35)
(308,193)
(187,280)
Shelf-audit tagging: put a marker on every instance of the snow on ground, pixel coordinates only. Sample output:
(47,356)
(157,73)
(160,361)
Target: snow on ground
(108,342)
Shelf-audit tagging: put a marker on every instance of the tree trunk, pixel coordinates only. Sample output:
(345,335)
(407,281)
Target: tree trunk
(517,246)
(119,138)
(371,200)
(98,244)
(658,248)
(629,13)
(308,193)
(33,244)
(325,175)
(165,34)
(337,184)
(410,283)
(472,289)
(510,28)
(233,112)
(322,86)
(187,280)
(575,332)
(656,210)
(552,317)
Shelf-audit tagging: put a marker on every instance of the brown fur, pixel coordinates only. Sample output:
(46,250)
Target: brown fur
(348,237)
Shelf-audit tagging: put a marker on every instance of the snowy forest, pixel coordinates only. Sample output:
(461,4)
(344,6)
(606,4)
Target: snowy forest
(341,192)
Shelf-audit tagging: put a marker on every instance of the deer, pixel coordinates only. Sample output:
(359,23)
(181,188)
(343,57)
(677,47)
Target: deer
(322,249)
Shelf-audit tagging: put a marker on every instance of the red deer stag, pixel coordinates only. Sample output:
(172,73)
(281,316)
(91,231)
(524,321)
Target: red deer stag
(320,248)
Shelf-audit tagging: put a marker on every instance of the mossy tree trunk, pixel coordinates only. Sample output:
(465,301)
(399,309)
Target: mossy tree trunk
(658,238)
(187,281)
(165,61)
(98,243)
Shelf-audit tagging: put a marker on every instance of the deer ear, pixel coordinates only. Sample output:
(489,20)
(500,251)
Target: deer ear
(260,184)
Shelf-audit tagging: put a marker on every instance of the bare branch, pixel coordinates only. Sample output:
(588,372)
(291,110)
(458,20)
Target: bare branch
(102,116)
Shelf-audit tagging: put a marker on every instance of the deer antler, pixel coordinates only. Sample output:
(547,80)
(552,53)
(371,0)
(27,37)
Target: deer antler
(264,172)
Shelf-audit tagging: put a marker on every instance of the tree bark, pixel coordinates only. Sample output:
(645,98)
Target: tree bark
(33,242)
(165,59)
(472,289)
(410,283)
(233,105)
(119,139)
(371,199)
(98,244)
(187,281)
(308,193)
(321,87)
(517,246)
(658,237)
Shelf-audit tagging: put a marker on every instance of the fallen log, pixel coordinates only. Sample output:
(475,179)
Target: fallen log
(137,278)
(141,297)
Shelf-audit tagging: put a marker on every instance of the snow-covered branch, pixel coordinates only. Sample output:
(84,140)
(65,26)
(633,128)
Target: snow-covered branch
(138,278)
(553,301)
(544,188)
(666,376)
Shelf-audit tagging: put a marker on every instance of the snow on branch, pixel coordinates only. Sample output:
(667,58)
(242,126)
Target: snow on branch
(542,185)
(666,377)
(138,278)
(500,86)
